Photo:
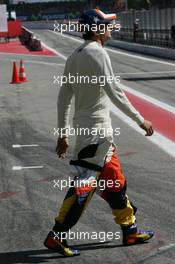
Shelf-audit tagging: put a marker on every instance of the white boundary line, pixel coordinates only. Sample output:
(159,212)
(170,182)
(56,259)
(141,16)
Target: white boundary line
(45,63)
(29,55)
(24,146)
(159,251)
(66,36)
(38,62)
(28,167)
(162,142)
(164,248)
(116,51)
(140,57)
(148,98)
(144,73)
(53,50)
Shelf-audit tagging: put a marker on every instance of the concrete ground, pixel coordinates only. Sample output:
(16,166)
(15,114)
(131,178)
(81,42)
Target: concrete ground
(28,199)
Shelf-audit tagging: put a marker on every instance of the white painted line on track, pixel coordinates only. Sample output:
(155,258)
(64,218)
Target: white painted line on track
(22,90)
(148,98)
(53,50)
(24,146)
(45,63)
(29,55)
(67,36)
(118,52)
(162,142)
(159,251)
(28,167)
(38,62)
(164,248)
(144,73)
(140,57)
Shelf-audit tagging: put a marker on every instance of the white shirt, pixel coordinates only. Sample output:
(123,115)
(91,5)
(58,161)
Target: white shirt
(92,100)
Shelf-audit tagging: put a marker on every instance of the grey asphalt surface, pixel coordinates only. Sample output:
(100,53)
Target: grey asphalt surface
(28,199)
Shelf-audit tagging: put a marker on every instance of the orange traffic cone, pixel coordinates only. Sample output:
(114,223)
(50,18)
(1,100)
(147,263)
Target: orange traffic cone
(22,74)
(15,76)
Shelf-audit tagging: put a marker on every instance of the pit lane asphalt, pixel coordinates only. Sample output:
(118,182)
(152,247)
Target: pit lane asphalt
(28,198)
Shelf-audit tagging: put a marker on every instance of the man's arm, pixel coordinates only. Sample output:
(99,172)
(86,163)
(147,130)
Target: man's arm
(63,110)
(119,98)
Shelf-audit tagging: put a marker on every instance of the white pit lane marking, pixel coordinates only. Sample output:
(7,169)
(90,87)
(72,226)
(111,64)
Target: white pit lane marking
(162,142)
(118,52)
(164,248)
(38,62)
(24,146)
(53,50)
(145,73)
(148,98)
(26,167)
(157,253)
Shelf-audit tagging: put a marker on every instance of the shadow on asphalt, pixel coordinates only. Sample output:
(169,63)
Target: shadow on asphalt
(38,256)
(30,256)
(149,78)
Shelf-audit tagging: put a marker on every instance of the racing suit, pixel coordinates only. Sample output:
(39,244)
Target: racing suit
(94,158)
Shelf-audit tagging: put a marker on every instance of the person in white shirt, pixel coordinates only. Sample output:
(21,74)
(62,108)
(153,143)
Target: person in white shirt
(94,159)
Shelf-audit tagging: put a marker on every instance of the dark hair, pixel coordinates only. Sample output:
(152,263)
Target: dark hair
(88,35)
